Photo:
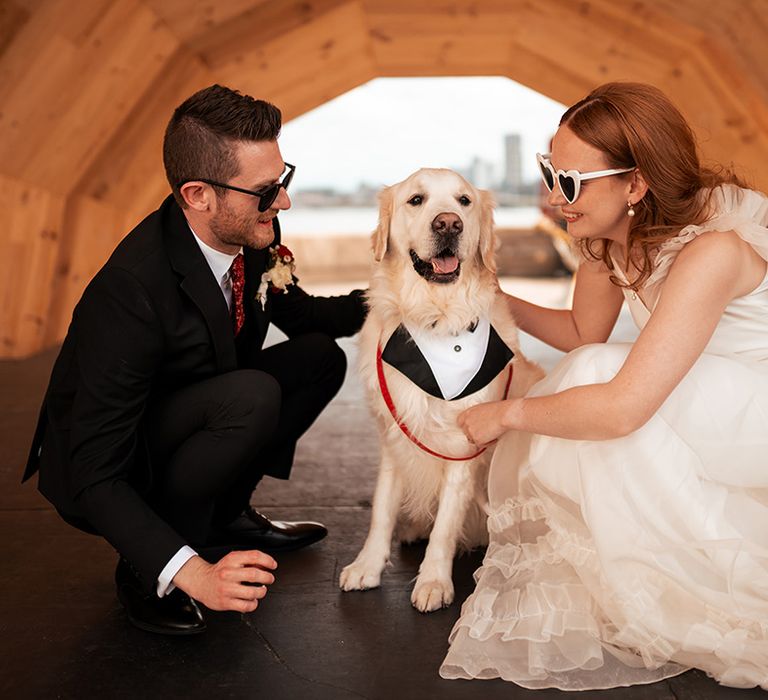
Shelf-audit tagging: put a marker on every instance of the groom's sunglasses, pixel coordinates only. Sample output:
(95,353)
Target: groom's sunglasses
(267,195)
(569,181)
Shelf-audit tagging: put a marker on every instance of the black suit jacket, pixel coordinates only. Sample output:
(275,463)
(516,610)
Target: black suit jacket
(153,319)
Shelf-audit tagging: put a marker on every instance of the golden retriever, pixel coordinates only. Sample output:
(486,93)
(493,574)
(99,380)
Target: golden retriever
(433,286)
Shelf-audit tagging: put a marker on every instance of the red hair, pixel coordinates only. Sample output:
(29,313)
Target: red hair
(637,126)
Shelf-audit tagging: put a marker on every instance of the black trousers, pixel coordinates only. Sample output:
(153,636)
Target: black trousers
(210,443)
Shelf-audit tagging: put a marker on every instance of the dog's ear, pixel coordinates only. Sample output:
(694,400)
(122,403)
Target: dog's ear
(381,234)
(488,241)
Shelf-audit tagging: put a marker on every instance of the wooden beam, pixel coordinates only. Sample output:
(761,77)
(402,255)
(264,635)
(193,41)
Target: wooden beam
(31,222)
(335,37)
(13,16)
(189,21)
(128,173)
(269,24)
(75,88)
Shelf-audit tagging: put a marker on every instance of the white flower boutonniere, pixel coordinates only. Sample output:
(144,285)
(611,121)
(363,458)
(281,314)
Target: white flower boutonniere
(279,273)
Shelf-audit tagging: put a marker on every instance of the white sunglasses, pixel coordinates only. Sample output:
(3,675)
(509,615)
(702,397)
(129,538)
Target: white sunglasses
(569,181)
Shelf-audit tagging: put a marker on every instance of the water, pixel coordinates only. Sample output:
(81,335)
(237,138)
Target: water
(319,221)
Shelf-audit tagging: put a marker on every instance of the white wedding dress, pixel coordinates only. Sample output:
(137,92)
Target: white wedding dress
(630,560)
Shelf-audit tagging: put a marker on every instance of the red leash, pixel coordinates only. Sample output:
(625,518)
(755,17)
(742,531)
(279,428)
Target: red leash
(391,406)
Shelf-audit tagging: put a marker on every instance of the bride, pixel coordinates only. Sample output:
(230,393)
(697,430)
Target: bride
(629,489)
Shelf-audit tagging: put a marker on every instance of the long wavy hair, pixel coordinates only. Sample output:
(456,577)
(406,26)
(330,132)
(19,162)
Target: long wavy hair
(637,126)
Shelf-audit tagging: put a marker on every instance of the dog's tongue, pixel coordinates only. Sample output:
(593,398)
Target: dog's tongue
(444,266)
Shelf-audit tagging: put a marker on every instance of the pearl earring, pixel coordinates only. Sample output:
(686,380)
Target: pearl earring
(630,209)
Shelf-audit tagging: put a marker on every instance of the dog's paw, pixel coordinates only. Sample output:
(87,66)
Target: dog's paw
(432,595)
(360,576)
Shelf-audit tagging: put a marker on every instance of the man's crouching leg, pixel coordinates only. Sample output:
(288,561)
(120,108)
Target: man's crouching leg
(310,370)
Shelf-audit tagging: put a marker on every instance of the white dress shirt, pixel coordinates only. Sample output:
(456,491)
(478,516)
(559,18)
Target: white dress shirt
(220,263)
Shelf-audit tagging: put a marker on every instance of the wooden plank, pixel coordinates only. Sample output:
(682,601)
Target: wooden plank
(189,21)
(13,16)
(30,232)
(294,99)
(267,23)
(740,26)
(129,172)
(47,18)
(74,97)
(459,8)
(442,54)
(340,32)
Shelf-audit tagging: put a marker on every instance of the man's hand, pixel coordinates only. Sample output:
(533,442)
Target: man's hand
(225,585)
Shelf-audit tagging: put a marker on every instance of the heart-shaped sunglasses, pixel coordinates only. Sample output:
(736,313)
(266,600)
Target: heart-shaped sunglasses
(569,181)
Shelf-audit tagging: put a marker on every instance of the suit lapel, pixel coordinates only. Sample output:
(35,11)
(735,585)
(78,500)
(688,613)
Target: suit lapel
(255,265)
(199,284)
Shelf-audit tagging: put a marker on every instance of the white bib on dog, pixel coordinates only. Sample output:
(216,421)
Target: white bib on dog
(454,359)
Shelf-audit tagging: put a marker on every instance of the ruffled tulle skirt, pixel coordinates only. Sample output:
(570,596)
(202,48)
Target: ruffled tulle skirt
(627,561)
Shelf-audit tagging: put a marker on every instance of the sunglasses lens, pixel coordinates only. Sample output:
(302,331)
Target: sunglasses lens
(546,175)
(568,187)
(268,196)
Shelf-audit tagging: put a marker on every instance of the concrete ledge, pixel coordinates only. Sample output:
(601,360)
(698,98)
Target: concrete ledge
(526,252)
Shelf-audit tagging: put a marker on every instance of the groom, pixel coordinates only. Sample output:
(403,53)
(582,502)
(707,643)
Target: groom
(163,410)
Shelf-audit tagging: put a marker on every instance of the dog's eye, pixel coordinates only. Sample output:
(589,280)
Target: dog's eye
(416,200)
(465,201)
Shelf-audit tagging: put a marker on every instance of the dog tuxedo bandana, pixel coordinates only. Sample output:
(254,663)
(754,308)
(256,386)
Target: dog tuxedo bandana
(450,366)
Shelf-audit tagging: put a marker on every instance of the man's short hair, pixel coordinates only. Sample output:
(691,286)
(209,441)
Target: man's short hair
(202,134)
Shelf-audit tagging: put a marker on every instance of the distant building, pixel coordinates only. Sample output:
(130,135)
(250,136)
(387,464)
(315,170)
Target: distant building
(481,173)
(513,165)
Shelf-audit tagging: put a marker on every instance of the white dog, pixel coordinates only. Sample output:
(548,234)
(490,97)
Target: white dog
(436,341)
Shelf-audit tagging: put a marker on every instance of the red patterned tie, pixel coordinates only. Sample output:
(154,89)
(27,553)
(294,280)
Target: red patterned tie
(237,278)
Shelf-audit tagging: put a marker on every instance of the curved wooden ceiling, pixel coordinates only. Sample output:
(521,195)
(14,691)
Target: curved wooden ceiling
(86,89)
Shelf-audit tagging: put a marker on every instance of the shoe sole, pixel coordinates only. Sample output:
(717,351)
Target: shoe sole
(144,627)
(164,630)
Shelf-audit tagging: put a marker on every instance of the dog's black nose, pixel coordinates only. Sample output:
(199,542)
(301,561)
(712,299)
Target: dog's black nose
(446,223)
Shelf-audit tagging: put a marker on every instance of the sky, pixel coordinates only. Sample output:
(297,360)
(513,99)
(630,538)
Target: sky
(382,131)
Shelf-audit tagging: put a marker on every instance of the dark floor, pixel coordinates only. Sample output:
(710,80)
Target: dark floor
(63,633)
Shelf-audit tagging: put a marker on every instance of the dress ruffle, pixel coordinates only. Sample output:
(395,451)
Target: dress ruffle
(533,619)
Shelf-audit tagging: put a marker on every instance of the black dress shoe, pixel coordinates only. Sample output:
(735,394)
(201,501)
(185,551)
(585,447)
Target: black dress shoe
(175,613)
(253,530)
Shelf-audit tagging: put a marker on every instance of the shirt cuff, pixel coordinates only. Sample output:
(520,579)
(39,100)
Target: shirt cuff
(164,585)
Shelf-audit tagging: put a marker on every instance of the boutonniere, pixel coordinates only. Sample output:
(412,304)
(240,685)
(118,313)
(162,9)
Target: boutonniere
(278,275)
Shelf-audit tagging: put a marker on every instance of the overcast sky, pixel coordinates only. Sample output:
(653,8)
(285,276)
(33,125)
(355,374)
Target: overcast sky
(382,131)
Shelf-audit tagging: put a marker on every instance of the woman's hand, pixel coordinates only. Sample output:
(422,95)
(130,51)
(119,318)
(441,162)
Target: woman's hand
(486,422)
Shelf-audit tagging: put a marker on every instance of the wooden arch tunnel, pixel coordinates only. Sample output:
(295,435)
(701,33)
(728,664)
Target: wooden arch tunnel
(87,87)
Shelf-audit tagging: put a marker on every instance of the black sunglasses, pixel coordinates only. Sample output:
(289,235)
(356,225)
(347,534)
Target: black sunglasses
(267,195)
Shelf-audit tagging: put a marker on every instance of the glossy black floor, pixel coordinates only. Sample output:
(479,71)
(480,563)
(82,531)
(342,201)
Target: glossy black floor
(64,635)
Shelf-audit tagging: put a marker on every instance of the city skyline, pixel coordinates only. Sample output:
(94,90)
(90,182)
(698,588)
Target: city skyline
(505,179)
(353,141)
